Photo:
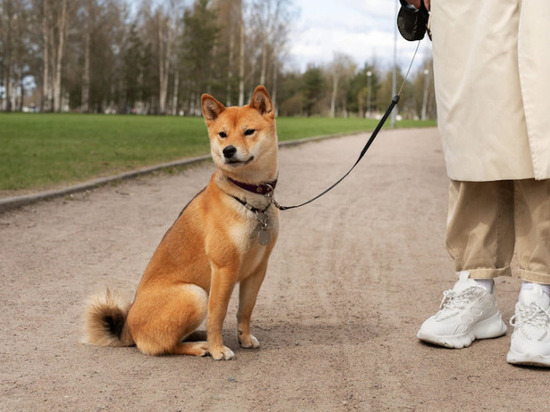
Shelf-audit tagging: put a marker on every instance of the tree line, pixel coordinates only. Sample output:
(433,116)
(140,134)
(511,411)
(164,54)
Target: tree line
(158,57)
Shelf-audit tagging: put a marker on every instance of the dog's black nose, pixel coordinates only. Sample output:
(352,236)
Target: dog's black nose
(229,152)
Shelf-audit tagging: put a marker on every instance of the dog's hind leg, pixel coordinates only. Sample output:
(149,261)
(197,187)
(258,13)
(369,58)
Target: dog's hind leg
(159,321)
(248,293)
(191,348)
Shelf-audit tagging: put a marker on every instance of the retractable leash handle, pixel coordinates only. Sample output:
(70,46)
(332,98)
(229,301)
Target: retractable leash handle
(379,126)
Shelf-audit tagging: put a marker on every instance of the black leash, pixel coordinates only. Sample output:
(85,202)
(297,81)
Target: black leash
(379,126)
(394,102)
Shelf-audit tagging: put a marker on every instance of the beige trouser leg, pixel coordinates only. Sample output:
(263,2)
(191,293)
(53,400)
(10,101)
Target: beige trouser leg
(487,220)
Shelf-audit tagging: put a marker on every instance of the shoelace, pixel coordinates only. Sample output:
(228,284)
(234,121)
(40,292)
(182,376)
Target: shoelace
(452,300)
(531,315)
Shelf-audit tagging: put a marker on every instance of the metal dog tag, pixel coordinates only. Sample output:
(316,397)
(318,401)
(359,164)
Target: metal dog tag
(264,236)
(263,228)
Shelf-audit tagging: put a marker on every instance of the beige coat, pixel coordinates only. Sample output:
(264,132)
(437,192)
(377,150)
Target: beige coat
(492,79)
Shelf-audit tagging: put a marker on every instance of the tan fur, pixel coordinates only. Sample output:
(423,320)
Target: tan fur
(101,308)
(210,248)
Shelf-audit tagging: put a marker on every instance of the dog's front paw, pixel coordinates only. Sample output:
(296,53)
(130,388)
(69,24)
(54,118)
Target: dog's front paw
(222,353)
(249,341)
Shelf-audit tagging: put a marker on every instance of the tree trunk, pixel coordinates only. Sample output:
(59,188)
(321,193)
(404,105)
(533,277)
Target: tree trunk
(166,40)
(44,106)
(274,85)
(59,56)
(84,106)
(161,62)
(230,66)
(264,60)
(333,97)
(51,73)
(8,85)
(85,99)
(175,93)
(8,63)
(241,63)
(22,92)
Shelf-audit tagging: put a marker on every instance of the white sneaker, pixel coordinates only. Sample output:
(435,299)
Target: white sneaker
(467,312)
(531,337)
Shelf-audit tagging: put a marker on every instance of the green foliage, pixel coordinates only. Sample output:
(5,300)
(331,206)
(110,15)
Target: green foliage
(200,38)
(133,59)
(359,93)
(44,150)
(313,88)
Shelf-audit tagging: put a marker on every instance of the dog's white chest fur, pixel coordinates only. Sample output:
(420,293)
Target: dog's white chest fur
(245,236)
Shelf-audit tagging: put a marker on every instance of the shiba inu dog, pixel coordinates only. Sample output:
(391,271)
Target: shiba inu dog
(224,236)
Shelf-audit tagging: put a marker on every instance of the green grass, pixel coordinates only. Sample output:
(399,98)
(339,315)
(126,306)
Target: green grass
(39,151)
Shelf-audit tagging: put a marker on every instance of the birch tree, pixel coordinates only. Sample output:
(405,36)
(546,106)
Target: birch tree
(47,34)
(166,22)
(165,41)
(242,45)
(16,53)
(8,17)
(88,28)
(269,20)
(341,67)
(62,25)
(230,23)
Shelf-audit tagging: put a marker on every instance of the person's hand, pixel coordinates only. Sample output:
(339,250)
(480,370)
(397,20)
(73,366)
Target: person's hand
(416,3)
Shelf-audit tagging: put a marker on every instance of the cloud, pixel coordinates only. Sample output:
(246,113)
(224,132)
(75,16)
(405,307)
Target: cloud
(362,29)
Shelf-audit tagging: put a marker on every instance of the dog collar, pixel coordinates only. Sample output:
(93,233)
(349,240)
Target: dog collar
(249,206)
(262,189)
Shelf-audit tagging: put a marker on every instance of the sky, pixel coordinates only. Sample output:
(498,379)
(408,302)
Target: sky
(361,29)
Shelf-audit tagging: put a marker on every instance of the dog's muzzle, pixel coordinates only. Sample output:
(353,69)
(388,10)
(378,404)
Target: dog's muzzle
(230,157)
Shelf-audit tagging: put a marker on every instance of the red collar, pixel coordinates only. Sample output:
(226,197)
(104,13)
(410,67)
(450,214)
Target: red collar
(262,189)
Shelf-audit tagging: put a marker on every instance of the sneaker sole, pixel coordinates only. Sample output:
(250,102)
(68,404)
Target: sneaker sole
(527,359)
(489,328)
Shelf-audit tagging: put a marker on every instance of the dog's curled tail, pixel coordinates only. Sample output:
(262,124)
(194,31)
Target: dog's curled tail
(105,321)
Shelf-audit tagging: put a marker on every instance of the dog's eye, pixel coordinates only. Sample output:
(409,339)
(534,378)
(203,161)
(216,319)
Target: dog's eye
(249,132)
(223,135)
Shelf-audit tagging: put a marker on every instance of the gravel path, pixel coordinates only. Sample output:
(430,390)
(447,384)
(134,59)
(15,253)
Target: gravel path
(352,277)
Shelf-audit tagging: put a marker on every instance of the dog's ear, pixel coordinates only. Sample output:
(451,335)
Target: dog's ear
(211,108)
(262,102)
